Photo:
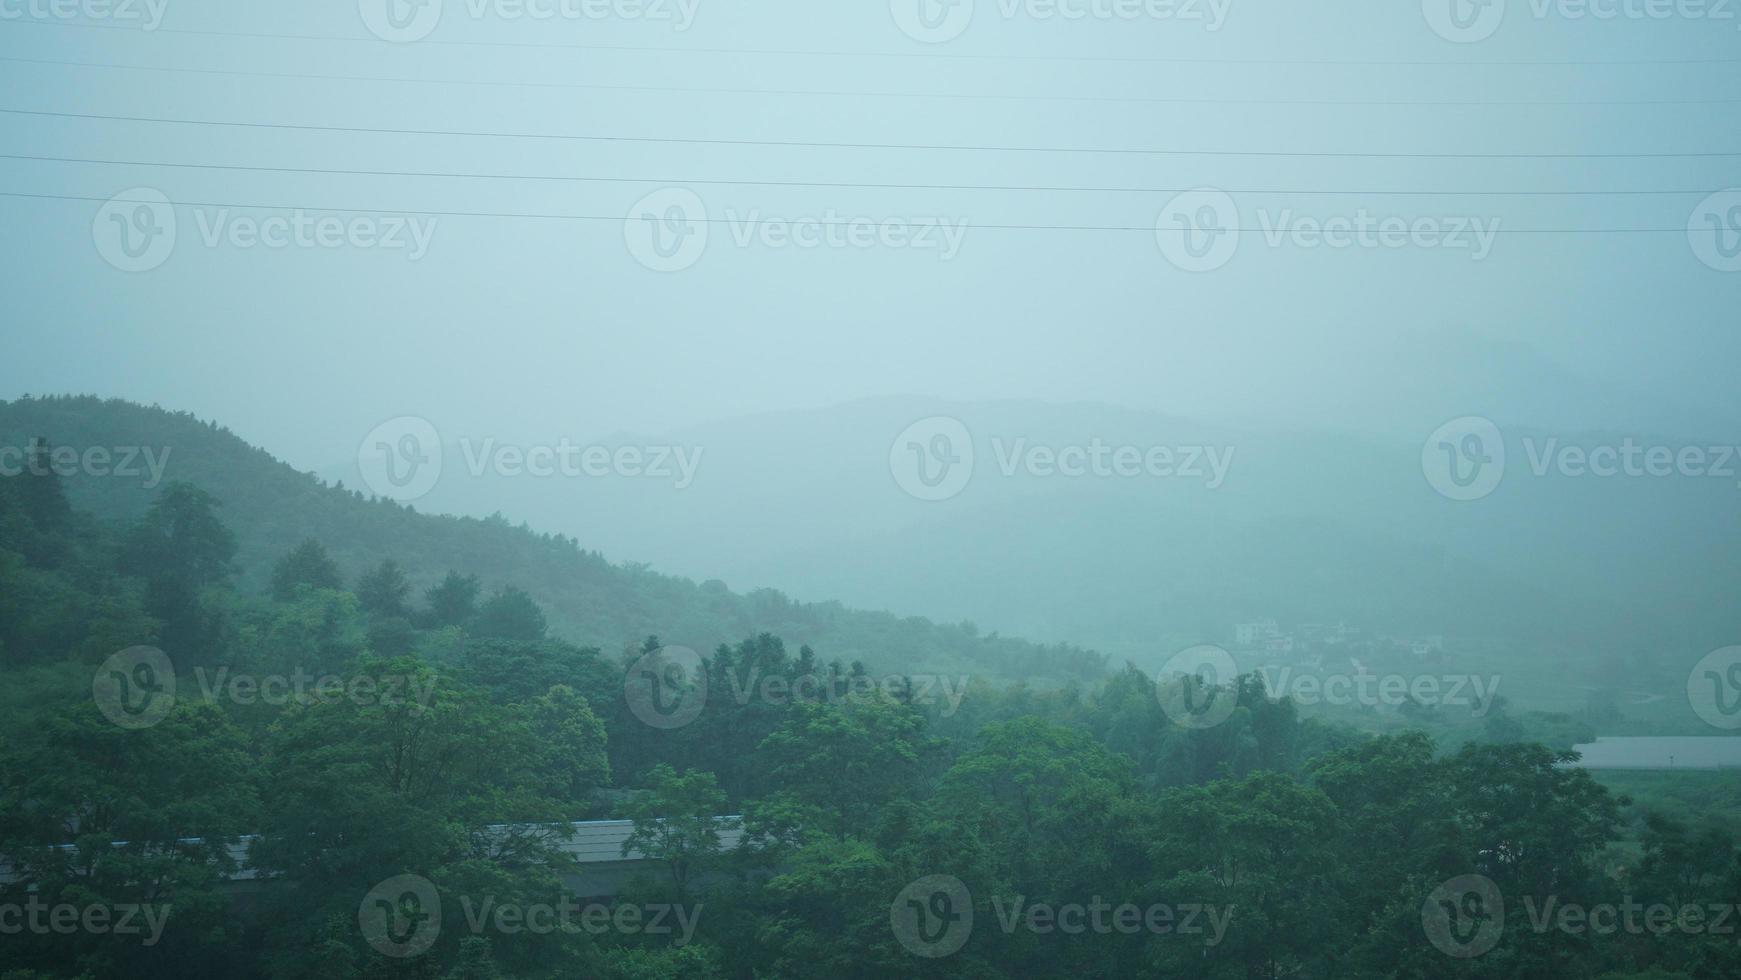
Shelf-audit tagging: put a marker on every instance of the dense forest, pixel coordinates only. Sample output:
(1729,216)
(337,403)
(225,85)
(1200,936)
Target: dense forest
(588,598)
(208,775)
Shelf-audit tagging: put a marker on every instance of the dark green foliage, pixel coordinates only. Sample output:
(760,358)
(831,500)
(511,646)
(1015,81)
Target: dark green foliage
(363,740)
(308,566)
(590,601)
(511,615)
(384,590)
(453,602)
(181,540)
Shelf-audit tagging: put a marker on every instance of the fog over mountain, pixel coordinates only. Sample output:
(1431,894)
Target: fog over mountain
(820,490)
(1302,524)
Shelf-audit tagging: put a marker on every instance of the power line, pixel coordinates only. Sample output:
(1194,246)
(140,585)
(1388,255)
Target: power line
(928,55)
(1150,229)
(965,96)
(815,144)
(574,178)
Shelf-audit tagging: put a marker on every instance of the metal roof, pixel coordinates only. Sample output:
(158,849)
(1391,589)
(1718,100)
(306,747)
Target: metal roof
(592,842)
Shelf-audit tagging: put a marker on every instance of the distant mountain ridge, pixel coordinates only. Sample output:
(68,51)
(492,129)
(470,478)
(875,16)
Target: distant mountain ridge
(1309,526)
(589,600)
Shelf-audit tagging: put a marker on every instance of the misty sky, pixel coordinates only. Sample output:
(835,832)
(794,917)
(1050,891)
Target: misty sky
(535,327)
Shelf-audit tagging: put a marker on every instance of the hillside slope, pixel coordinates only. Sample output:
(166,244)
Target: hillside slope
(1308,526)
(588,599)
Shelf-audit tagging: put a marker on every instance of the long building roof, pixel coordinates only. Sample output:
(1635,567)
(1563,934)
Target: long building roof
(592,842)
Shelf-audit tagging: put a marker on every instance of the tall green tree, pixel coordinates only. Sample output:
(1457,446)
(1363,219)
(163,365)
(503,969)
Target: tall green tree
(454,601)
(307,566)
(511,614)
(677,823)
(383,591)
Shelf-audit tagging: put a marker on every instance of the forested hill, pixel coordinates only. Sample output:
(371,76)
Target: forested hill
(272,507)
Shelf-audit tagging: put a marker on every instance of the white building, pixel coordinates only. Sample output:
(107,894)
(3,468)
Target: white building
(1255,634)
